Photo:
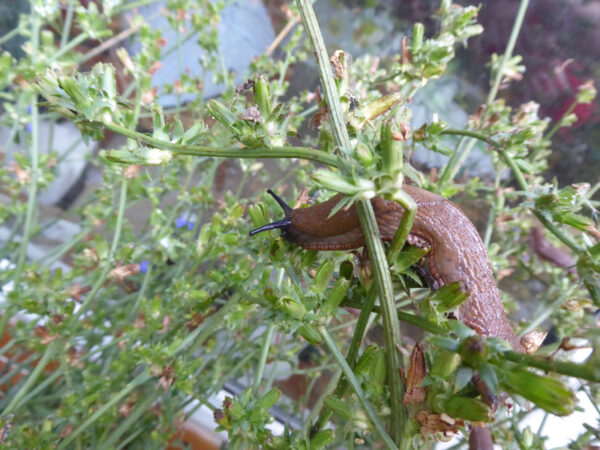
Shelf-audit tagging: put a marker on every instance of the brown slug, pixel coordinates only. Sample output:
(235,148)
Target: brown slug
(457,253)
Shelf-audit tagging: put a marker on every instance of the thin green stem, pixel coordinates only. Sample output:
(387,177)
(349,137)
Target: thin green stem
(35,135)
(349,374)
(131,5)
(465,146)
(515,170)
(473,134)
(16,400)
(67,25)
(559,124)
(311,25)
(498,199)
(229,152)
(352,354)
(11,34)
(78,40)
(109,260)
(510,46)
(263,358)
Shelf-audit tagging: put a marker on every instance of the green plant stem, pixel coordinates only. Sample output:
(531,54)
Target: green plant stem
(563,237)
(16,400)
(229,152)
(585,371)
(263,358)
(518,174)
(330,91)
(379,428)
(559,124)
(473,134)
(11,34)
(368,223)
(78,40)
(464,147)
(392,337)
(494,209)
(510,46)
(35,136)
(109,260)
(131,5)
(352,354)
(67,25)
(111,437)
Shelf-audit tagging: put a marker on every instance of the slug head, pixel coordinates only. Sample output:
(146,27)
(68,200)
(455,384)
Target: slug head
(283,224)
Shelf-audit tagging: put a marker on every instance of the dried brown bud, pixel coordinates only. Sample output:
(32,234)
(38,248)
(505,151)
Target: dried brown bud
(417,370)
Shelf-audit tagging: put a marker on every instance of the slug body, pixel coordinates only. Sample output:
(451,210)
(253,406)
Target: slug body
(456,254)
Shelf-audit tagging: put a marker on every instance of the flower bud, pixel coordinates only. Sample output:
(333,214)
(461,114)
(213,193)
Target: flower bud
(445,364)
(321,439)
(374,109)
(378,372)
(467,409)
(224,116)
(269,399)
(473,351)
(366,360)
(262,96)
(335,297)
(338,407)
(547,393)
(323,276)
(310,334)
(449,297)
(292,307)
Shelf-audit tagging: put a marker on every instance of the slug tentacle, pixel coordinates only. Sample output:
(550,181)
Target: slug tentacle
(282,224)
(287,209)
(279,224)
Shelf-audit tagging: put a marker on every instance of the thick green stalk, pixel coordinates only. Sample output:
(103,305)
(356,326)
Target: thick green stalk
(368,223)
(391,327)
(228,152)
(330,92)
(584,371)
